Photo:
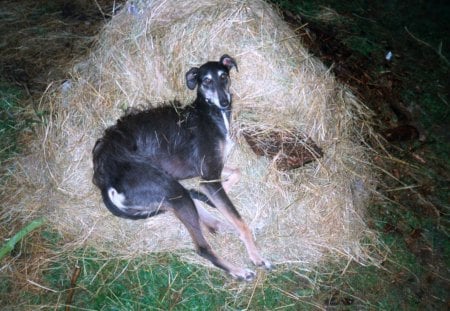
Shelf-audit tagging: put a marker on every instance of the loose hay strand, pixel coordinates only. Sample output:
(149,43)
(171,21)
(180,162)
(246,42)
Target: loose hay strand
(139,59)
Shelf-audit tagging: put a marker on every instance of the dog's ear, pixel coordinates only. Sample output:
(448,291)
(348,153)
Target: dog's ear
(191,78)
(228,62)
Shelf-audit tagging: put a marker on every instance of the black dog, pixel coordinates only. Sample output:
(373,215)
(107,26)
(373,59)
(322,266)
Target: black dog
(139,161)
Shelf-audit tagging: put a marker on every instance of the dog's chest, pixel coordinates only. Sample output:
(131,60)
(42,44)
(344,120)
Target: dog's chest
(227,143)
(225,146)
(226,122)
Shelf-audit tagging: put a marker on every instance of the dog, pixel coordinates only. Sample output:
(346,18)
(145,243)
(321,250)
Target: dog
(139,162)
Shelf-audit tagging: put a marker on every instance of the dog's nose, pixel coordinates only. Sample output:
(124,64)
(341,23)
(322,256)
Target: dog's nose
(225,100)
(224,103)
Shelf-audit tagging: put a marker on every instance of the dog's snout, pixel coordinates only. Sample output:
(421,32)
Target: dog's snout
(224,99)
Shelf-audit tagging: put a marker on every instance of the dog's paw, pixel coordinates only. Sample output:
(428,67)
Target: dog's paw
(264,263)
(244,275)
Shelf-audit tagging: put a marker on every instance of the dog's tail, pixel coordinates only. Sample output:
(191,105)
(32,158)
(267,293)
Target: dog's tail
(114,201)
(200,196)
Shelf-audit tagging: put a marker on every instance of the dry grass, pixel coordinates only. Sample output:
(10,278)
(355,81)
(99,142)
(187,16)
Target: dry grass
(141,56)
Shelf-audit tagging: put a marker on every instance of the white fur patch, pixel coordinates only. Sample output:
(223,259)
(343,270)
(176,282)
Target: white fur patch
(226,122)
(117,198)
(228,146)
(213,97)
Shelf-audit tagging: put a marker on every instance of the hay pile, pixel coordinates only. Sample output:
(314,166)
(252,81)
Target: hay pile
(140,58)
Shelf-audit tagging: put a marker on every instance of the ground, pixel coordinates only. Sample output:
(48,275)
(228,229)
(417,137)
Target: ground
(394,56)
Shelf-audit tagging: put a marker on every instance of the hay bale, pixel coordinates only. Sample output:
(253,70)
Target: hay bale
(140,59)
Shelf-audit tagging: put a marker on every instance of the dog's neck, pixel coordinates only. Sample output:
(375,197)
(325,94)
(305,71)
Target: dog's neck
(225,113)
(222,113)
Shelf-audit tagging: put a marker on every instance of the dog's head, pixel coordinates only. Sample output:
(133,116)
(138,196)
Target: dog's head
(213,81)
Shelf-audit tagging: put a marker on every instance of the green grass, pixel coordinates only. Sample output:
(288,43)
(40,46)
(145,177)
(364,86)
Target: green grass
(10,123)
(165,282)
(160,282)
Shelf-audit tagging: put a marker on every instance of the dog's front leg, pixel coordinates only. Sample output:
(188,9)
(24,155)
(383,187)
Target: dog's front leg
(230,177)
(215,192)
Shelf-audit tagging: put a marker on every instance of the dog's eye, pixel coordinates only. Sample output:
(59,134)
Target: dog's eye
(207,81)
(223,77)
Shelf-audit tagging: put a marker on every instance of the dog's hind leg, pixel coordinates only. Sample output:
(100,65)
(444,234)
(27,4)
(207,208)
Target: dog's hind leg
(212,223)
(185,210)
(216,193)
